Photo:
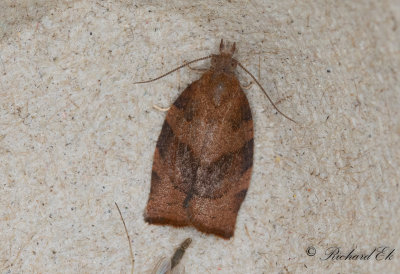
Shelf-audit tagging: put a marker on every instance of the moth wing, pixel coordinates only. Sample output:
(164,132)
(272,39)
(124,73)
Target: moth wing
(203,158)
(228,177)
(170,178)
(163,266)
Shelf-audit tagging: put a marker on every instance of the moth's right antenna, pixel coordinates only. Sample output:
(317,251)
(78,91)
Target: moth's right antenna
(266,94)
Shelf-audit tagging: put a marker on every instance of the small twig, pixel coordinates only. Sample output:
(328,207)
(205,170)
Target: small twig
(127,235)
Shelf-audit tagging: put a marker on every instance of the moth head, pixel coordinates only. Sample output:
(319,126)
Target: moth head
(224,61)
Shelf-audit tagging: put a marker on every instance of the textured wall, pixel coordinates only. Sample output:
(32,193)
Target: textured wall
(77,135)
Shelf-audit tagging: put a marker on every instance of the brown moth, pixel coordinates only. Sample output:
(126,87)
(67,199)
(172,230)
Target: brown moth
(204,155)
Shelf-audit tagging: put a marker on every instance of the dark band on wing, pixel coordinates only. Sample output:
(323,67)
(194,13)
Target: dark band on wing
(165,139)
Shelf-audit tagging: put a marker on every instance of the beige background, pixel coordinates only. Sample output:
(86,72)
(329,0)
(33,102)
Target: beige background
(76,134)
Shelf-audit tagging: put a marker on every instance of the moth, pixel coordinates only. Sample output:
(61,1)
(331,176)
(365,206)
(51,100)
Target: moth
(204,155)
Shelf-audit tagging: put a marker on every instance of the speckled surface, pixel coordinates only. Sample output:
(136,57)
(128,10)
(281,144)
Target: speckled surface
(76,135)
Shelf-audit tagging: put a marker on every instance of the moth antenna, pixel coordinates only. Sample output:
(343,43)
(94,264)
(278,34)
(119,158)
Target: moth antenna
(175,69)
(127,235)
(266,94)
